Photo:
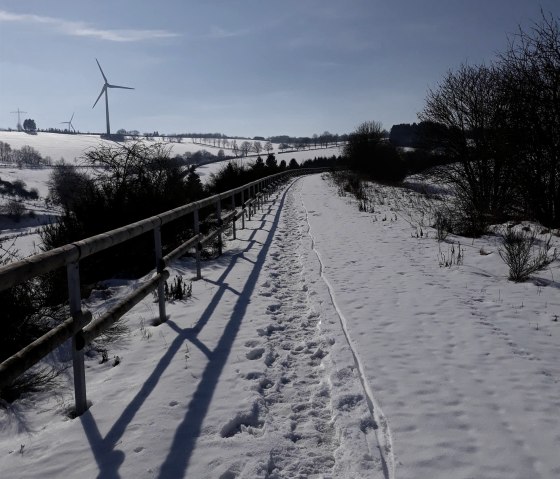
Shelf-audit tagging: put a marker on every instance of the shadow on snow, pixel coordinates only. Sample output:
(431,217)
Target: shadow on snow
(176,463)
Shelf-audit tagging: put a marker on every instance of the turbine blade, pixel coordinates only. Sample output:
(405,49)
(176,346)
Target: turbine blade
(71,118)
(104,77)
(118,86)
(102,91)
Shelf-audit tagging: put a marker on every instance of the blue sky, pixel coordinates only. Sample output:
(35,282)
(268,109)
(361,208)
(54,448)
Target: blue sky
(242,67)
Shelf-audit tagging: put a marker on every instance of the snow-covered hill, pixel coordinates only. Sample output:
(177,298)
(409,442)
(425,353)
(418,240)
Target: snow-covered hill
(72,147)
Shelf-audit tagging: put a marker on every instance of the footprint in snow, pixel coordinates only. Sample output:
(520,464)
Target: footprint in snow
(255,354)
(273,308)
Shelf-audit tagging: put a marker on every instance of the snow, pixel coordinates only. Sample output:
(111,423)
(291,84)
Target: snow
(71,147)
(325,342)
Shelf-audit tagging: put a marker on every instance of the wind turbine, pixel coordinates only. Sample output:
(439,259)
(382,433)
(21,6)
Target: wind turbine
(106,86)
(69,123)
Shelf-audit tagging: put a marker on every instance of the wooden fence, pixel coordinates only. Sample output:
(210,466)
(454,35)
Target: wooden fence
(79,326)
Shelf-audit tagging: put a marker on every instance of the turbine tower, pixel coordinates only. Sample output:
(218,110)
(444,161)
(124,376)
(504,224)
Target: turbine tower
(19,112)
(105,88)
(69,123)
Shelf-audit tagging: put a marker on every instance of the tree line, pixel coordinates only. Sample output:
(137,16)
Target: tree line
(26,156)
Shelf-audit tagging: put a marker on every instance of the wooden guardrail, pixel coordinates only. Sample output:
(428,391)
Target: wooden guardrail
(80,327)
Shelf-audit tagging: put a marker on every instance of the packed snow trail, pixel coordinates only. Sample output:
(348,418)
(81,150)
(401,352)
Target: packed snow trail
(383,432)
(301,409)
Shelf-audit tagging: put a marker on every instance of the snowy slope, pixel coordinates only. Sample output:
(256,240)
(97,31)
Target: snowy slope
(72,147)
(326,342)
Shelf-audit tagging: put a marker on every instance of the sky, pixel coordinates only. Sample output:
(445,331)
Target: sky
(242,67)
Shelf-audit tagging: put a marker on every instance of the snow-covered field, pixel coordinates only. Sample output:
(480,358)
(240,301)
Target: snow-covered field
(71,148)
(326,342)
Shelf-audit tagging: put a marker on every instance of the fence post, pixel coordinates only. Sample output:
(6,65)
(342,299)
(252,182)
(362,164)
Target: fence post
(234,220)
(198,245)
(220,224)
(250,205)
(159,269)
(242,209)
(75,303)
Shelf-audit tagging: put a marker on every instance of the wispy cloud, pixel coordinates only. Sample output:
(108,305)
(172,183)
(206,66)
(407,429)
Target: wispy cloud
(82,29)
(219,33)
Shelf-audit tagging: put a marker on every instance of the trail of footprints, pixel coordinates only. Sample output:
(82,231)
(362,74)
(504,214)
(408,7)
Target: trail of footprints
(293,392)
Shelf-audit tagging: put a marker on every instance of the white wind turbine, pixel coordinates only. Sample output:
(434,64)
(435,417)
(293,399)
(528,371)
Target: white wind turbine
(106,86)
(69,123)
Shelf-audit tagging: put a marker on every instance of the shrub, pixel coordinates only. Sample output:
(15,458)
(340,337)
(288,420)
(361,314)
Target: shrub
(521,255)
(129,183)
(442,224)
(368,153)
(24,319)
(178,289)
(15,209)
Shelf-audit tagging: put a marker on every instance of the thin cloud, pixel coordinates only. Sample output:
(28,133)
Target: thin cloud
(81,29)
(221,33)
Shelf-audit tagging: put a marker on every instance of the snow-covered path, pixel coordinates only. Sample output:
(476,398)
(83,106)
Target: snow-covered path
(325,343)
(304,412)
(250,378)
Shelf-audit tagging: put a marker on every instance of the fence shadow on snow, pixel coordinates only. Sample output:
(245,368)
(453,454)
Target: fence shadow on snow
(177,461)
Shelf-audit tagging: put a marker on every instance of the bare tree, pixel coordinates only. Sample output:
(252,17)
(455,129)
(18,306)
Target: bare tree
(531,71)
(268,147)
(5,152)
(470,107)
(245,148)
(257,147)
(325,138)
(315,139)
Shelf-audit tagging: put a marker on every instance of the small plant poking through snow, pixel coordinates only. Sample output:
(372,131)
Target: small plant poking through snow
(520,253)
(104,356)
(146,335)
(178,290)
(442,225)
(454,256)
(187,356)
